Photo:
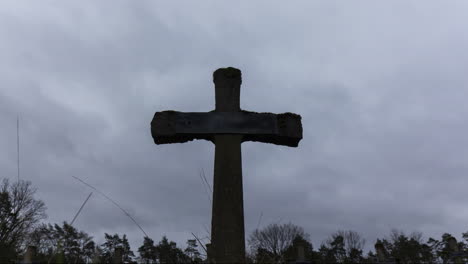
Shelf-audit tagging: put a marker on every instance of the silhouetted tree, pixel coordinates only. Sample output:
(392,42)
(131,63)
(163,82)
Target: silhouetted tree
(148,251)
(370,258)
(402,248)
(291,253)
(343,247)
(406,249)
(441,249)
(333,250)
(262,255)
(113,242)
(65,242)
(327,255)
(19,213)
(465,237)
(270,244)
(168,252)
(192,251)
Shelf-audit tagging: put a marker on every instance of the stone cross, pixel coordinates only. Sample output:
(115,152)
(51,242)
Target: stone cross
(227,127)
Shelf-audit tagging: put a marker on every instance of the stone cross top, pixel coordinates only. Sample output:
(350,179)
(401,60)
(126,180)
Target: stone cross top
(227,127)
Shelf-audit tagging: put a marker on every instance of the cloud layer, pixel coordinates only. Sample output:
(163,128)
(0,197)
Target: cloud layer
(381,88)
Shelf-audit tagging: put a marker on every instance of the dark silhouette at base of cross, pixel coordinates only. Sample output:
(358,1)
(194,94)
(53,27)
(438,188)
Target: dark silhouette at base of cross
(227,127)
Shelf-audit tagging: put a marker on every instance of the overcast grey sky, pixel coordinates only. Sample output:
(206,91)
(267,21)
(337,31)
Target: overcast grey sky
(381,87)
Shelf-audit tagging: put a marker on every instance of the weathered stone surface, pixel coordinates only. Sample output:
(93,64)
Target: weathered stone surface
(163,129)
(227,89)
(227,127)
(227,224)
(179,127)
(289,131)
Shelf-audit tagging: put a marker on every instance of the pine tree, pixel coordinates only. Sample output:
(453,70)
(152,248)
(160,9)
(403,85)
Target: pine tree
(148,251)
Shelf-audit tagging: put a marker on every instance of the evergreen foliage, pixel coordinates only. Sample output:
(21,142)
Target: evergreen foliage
(20,214)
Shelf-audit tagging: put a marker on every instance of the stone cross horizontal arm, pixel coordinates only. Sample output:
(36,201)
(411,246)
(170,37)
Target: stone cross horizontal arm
(178,127)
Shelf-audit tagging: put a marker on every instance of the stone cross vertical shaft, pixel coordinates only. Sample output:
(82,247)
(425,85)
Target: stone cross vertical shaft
(227,222)
(227,127)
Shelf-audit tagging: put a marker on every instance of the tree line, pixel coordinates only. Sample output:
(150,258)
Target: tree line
(21,227)
(280,243)
(65,244)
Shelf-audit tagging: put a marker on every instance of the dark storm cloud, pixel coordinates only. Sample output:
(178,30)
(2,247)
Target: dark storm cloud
(380,87)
